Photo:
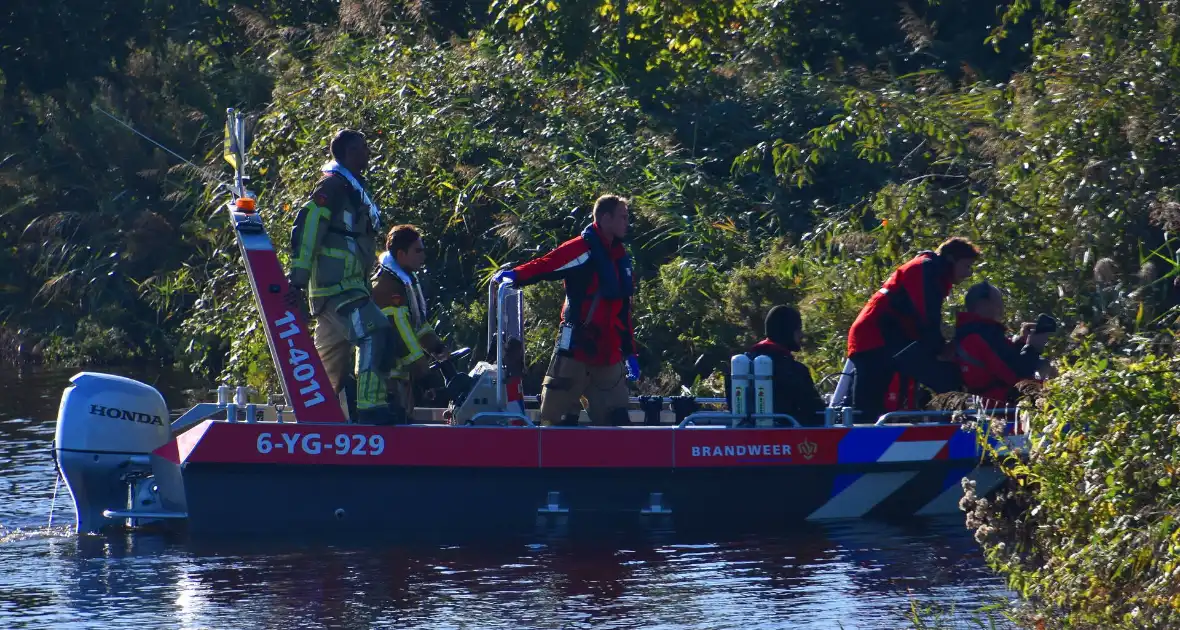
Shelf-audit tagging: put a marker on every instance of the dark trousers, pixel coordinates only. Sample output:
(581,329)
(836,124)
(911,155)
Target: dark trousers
(875,370)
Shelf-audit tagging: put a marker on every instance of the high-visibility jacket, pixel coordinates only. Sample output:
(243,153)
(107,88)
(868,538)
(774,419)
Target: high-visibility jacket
(990,362)
(413,335)
(907,308)
(333,244)
(598,289)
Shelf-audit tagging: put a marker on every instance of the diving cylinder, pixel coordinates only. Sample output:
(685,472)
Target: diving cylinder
(740,381)
(764,389)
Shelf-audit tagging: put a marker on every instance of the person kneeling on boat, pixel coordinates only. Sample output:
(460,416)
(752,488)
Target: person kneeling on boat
(398,292)
(991,363)
(899,330)
(595,353)
(794,390)
(333,247)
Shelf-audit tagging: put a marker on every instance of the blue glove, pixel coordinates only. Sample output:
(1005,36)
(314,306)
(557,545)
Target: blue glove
(504,275)
(633,368)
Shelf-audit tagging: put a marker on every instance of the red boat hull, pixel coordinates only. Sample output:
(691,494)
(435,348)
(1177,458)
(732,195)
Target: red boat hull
(266,477)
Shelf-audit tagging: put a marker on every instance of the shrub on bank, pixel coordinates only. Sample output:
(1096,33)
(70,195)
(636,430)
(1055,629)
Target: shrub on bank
(1088,529)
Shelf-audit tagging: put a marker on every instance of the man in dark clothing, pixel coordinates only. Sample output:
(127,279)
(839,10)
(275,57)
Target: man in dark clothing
(794,390)
(991,363)
(595,351)
(899,330)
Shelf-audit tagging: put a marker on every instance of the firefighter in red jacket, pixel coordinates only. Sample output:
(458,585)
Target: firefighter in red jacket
(899,330)
(595,353)
(990,362)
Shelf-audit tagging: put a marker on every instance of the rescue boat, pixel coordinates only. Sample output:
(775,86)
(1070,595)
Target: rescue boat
(297,465)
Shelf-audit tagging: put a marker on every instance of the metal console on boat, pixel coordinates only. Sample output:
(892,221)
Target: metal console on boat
(501,385)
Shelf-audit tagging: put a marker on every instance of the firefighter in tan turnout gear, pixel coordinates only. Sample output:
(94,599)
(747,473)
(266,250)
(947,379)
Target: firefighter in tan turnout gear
(333,249)
(396,289)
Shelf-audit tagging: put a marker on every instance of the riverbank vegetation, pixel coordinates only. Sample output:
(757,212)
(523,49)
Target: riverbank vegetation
(1087,531)
(777,151)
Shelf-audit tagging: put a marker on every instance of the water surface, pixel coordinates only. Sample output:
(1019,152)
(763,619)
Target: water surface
(856,574)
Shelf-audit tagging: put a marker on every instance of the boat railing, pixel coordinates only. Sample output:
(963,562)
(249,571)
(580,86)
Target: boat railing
(501,293)
(695,418)
(884,418)
(501,418)
(634,400)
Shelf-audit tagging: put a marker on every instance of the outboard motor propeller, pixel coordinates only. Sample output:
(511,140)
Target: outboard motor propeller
(106,428)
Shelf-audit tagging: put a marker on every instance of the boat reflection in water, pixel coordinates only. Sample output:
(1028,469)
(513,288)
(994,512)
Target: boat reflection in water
(862,574)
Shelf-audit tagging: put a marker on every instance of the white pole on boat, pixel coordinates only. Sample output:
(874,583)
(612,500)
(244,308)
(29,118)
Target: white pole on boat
(844,385)
(233,129)
(491,312)
(520,325)
(839,408)
(501,387)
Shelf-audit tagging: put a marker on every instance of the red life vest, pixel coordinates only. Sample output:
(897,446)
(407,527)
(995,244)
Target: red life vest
(902,394)
(991,364)
(908,306)
(605,329)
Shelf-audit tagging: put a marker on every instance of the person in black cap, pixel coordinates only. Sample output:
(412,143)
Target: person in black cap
(794,390)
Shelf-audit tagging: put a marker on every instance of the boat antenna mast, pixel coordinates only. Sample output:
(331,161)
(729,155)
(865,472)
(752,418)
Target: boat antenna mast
(235,152)
(306,384)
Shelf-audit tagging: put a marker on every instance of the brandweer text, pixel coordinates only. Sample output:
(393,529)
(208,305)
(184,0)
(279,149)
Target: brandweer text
(742,450)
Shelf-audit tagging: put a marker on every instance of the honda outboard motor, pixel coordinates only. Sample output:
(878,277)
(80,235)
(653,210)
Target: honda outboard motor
(106,428)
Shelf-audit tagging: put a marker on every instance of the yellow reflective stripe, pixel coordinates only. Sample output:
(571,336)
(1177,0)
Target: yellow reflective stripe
(370,390)
(389,310)
(351,264)
(344,285)
(401,320)
(338,288)
(311,230)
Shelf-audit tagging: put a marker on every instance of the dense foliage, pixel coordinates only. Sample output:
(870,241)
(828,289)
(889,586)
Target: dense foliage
(756,180)
(776,150)
(787,151)
(1088,530)
(95,222)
